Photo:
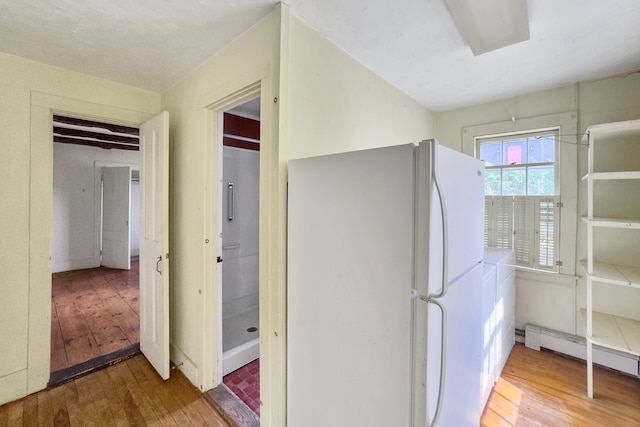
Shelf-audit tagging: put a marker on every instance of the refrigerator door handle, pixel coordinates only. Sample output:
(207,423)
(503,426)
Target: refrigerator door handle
(443,353)
(443,213)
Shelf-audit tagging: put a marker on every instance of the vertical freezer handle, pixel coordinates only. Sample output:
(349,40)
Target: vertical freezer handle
(443,212)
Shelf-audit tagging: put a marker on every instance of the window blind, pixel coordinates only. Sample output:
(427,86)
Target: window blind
(527,224)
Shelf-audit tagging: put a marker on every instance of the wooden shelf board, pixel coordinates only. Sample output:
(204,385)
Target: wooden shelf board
(629,223)
(613,130)
(618,333)
(631,273)
(615,274)
(606,273)
(618,175)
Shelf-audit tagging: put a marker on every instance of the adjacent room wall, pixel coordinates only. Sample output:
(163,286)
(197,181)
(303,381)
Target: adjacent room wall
(28,92)
(76,204)
(542,299)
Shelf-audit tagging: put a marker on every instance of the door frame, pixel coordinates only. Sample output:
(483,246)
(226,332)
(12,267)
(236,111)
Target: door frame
(212,298)
(222,187)
(272,235)
(43,107)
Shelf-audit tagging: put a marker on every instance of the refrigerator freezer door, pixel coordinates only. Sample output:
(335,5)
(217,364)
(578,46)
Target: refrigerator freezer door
(461,185)
(350,254)
(461,401)
(461,180)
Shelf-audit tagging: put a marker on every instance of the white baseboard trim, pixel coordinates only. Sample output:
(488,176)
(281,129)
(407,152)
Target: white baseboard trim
(537,337)
(77,264)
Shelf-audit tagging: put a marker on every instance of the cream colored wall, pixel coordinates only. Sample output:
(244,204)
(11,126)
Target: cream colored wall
(315,99)
(553,302)
(28,93)
(247,67)
(331,103)
(450,124)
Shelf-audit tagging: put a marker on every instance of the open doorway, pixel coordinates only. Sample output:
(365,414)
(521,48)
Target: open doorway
(239,208)
(95,314)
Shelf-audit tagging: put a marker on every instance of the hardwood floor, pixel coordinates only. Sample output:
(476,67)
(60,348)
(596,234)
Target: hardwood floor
(127,394)
(93,312)
(547,389)
(535,389)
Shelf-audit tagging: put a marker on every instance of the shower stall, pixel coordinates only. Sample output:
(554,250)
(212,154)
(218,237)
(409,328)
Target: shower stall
(240,195)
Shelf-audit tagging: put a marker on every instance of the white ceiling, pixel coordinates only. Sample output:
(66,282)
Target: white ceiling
(413,44)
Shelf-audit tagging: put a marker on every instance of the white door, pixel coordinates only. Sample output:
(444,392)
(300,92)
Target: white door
(154,242)
(116,196)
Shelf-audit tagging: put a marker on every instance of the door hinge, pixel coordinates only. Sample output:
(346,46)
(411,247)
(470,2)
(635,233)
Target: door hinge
(219,259)
(559,263)
(559,205)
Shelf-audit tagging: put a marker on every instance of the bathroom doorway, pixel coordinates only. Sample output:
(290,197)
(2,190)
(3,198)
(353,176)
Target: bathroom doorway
(240,186)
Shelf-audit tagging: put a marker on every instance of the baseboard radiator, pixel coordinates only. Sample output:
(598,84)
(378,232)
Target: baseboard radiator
(536,337)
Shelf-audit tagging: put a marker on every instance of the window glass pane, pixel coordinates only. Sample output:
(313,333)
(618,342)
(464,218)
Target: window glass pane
(514,182)
(491,153)
(515,152)
(492,182)
(541,181)
(542,149)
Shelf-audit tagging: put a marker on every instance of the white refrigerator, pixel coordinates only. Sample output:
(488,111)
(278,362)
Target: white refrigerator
(384,322)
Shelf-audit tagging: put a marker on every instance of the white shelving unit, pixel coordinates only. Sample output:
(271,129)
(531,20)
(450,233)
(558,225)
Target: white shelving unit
(614,160)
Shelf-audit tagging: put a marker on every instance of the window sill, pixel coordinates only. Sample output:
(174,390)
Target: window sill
(547,277)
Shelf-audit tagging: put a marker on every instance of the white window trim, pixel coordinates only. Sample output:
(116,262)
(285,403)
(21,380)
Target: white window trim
(568,159)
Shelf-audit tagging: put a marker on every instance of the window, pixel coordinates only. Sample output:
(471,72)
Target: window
(520,165)
(522,197)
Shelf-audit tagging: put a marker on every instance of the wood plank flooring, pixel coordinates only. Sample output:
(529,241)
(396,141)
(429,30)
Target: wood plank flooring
(548,389)
(93,312)
(535,389)
(127,394)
